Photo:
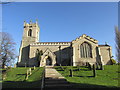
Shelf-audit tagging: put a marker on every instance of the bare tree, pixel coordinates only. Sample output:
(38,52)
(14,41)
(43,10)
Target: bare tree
(117,32)
(7,49)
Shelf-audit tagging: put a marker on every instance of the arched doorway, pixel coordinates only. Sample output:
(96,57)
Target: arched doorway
(48,61)
(48,58)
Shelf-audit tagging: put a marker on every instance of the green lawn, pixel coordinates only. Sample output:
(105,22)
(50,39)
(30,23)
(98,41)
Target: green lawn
(84,78)
(16,78)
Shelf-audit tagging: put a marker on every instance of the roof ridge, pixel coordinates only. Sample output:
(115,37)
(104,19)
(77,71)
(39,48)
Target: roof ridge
(86,37)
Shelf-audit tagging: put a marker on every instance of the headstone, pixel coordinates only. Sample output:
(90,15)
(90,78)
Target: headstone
(86,64)
(5,66)
(89,66)
(78,68)
(94,71)
(34,68)
(71,73)
(101,67)
(3,76)
(60,65)
(14,65)
(25,65)
(30,71)
(27,72)
(26,77)
(62,68)
(97,66)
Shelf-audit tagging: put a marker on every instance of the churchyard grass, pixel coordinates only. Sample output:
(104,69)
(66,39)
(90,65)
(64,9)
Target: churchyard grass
(15,78)
(83,78)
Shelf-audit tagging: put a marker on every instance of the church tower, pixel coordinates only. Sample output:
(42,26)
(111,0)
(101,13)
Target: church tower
(30,35)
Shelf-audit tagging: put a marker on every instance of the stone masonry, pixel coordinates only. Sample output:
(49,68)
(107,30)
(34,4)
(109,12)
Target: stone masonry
(77,52)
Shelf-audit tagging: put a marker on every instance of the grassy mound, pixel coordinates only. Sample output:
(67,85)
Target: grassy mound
(15,78)
(84,77)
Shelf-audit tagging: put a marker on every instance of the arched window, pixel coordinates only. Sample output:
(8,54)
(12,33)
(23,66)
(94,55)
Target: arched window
(30,32)
(37,52)
(37,55)
(85,50)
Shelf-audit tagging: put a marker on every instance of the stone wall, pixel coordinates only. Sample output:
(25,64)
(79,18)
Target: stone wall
(26,41)
(106,54)
(64,53)
(60,49)
(76,50)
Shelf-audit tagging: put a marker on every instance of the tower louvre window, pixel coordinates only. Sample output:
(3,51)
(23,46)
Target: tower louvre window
(30,32)
(85,50)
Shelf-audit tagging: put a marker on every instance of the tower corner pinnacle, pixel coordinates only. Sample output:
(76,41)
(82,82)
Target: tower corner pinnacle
(30,21)
(24,23)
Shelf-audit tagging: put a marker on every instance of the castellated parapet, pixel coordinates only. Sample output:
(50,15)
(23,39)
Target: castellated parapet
(52,43)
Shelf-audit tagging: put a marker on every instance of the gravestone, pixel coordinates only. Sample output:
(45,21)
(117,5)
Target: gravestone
(97,66)
(94,71)
(27,73)
(101,67)
(14,65)
(34,68)
(71,73)
(26,77)
(89,66)
(25,65)
(4,76)
(30,71)
(78,68)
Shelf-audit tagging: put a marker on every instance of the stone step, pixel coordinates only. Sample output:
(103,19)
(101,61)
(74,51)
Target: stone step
(56,81)
(67,87)
(49,83)
(61,88)
(49,67)
(57,85)
(57,77)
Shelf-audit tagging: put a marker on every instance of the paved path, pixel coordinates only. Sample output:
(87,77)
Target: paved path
(50,72)
(55,81)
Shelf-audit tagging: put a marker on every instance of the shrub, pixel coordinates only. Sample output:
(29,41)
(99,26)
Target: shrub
(113,61)
(9,67)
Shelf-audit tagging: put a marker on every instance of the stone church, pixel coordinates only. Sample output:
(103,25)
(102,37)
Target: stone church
(77,52)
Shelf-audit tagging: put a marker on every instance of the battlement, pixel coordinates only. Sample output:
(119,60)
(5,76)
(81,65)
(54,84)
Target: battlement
(30,24)
(52,43)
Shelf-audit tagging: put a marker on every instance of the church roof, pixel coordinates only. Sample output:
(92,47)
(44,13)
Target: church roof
(103,45)
(67,43)
(86,37)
